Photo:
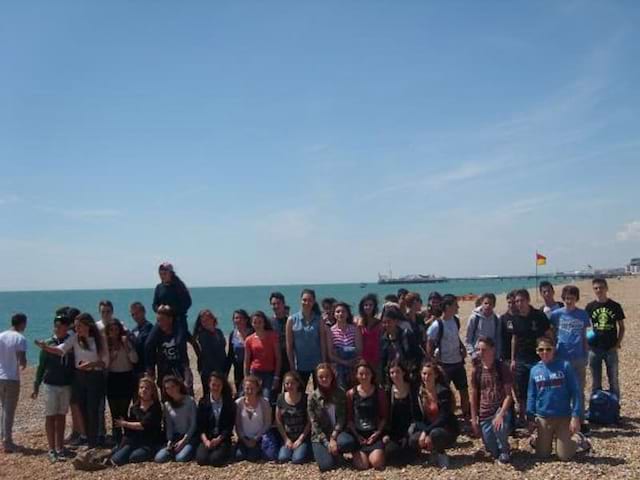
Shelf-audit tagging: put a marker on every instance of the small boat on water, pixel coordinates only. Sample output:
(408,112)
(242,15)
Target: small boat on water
(362,285)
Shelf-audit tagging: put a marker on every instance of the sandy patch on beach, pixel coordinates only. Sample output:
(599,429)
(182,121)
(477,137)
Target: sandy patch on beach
(616,450)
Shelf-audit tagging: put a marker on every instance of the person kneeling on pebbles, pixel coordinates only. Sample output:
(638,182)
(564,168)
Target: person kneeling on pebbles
(554,405)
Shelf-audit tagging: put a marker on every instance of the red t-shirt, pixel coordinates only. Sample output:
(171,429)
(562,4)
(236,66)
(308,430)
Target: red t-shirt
(262,351)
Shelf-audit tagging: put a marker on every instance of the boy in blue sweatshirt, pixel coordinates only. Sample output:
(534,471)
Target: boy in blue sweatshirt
(554,404)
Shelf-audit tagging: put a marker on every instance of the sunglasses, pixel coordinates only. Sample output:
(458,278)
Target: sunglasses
(544,349)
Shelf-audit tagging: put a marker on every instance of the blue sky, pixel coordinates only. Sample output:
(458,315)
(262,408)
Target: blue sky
(292,142)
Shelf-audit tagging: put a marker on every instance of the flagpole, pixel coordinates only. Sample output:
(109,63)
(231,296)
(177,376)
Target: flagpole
(536,276)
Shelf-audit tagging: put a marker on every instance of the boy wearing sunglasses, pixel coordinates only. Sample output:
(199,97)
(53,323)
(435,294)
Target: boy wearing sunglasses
(554,405)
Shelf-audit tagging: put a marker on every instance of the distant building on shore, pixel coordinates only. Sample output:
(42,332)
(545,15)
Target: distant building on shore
(634,266)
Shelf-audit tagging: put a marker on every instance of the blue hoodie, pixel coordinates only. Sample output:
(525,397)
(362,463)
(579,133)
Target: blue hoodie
(554,390)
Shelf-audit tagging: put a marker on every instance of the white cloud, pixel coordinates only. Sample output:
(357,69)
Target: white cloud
(630,231)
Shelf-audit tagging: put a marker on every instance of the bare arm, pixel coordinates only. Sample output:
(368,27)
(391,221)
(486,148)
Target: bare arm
(621,330)
(22,359)
(289,339)
(358,343)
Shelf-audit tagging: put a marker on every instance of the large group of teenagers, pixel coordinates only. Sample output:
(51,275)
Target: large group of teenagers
(381,380)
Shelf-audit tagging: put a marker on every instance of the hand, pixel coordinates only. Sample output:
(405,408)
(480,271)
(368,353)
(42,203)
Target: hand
(475,426)
(333,447)
(214,442)
(297,443)
(422,440)
(119,422)
(84,366)
(513,366)
(289,444)
(574,426)
(498,421)
(180,445)
(39,343)
(34,395)
(386,439)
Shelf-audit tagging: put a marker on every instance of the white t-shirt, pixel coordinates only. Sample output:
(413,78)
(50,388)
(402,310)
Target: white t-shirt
(11,342)
(450,343)
(83,355)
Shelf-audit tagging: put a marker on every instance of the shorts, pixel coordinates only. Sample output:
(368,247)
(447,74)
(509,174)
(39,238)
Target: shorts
(456,374)
(56,399)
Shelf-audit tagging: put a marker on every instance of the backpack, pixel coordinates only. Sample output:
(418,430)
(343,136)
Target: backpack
(440,322)
(475,327)
(604,408)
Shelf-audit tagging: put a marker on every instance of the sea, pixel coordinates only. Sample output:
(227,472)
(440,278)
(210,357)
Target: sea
(39,306)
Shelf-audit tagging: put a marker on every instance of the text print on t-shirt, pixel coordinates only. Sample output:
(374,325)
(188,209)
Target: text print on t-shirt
(555,380)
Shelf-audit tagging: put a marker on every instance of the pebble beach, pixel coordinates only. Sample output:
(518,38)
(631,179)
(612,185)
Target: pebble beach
(616,451)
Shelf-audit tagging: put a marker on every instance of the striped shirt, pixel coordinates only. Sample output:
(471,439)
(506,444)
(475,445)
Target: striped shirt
(343,338)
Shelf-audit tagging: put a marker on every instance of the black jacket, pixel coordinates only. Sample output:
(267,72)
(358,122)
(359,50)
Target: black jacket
(174,294)
(207,421)
(445,419)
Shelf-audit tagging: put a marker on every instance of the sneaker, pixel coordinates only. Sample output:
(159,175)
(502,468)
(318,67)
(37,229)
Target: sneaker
(64,454)
(481,455)
(78,441)
(53,456)
(73,437)
(442,460)
(504,458)
(583,443)
(9,447)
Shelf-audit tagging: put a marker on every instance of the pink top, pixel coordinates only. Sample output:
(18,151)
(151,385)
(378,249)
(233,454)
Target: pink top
(371,343)
(343,338)
(263,351)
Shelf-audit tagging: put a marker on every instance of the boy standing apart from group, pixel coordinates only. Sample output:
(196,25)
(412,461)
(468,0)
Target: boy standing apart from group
(13,348)
(607,318)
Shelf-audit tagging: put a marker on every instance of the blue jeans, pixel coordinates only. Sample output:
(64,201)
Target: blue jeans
(296,456)
(324,459)
(496,441)
(610,357)
(267,382)
(184,455)
(132,454)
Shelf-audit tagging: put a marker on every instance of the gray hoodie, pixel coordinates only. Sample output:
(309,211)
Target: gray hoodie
(481,326)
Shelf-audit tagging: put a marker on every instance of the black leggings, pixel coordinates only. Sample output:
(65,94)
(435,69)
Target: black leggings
(441,439)
(88,389)
(217,456)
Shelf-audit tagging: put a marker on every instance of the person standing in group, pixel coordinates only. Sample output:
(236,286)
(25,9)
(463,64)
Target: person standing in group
(327,408)
(548,296)
(529,325)
(434,309)
(105,309)
(370,328)
(166,349)
(57,375)
(555,403)
(13,356)
(211,343)
(142,427)
(328,305)
(506,326)
(91,356)
(436,426)
(306,337)
(253,421)
(445,346)
(262,355)
(279,323)
(491,400)
(414,327)
(179,411)
(292,421)
(394,342)
(570,325)
(344,344)
(483,323)
(139,335)
(121,380)
(173,292)
(607,318)
(216,419)
(367,418)
(236,350)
